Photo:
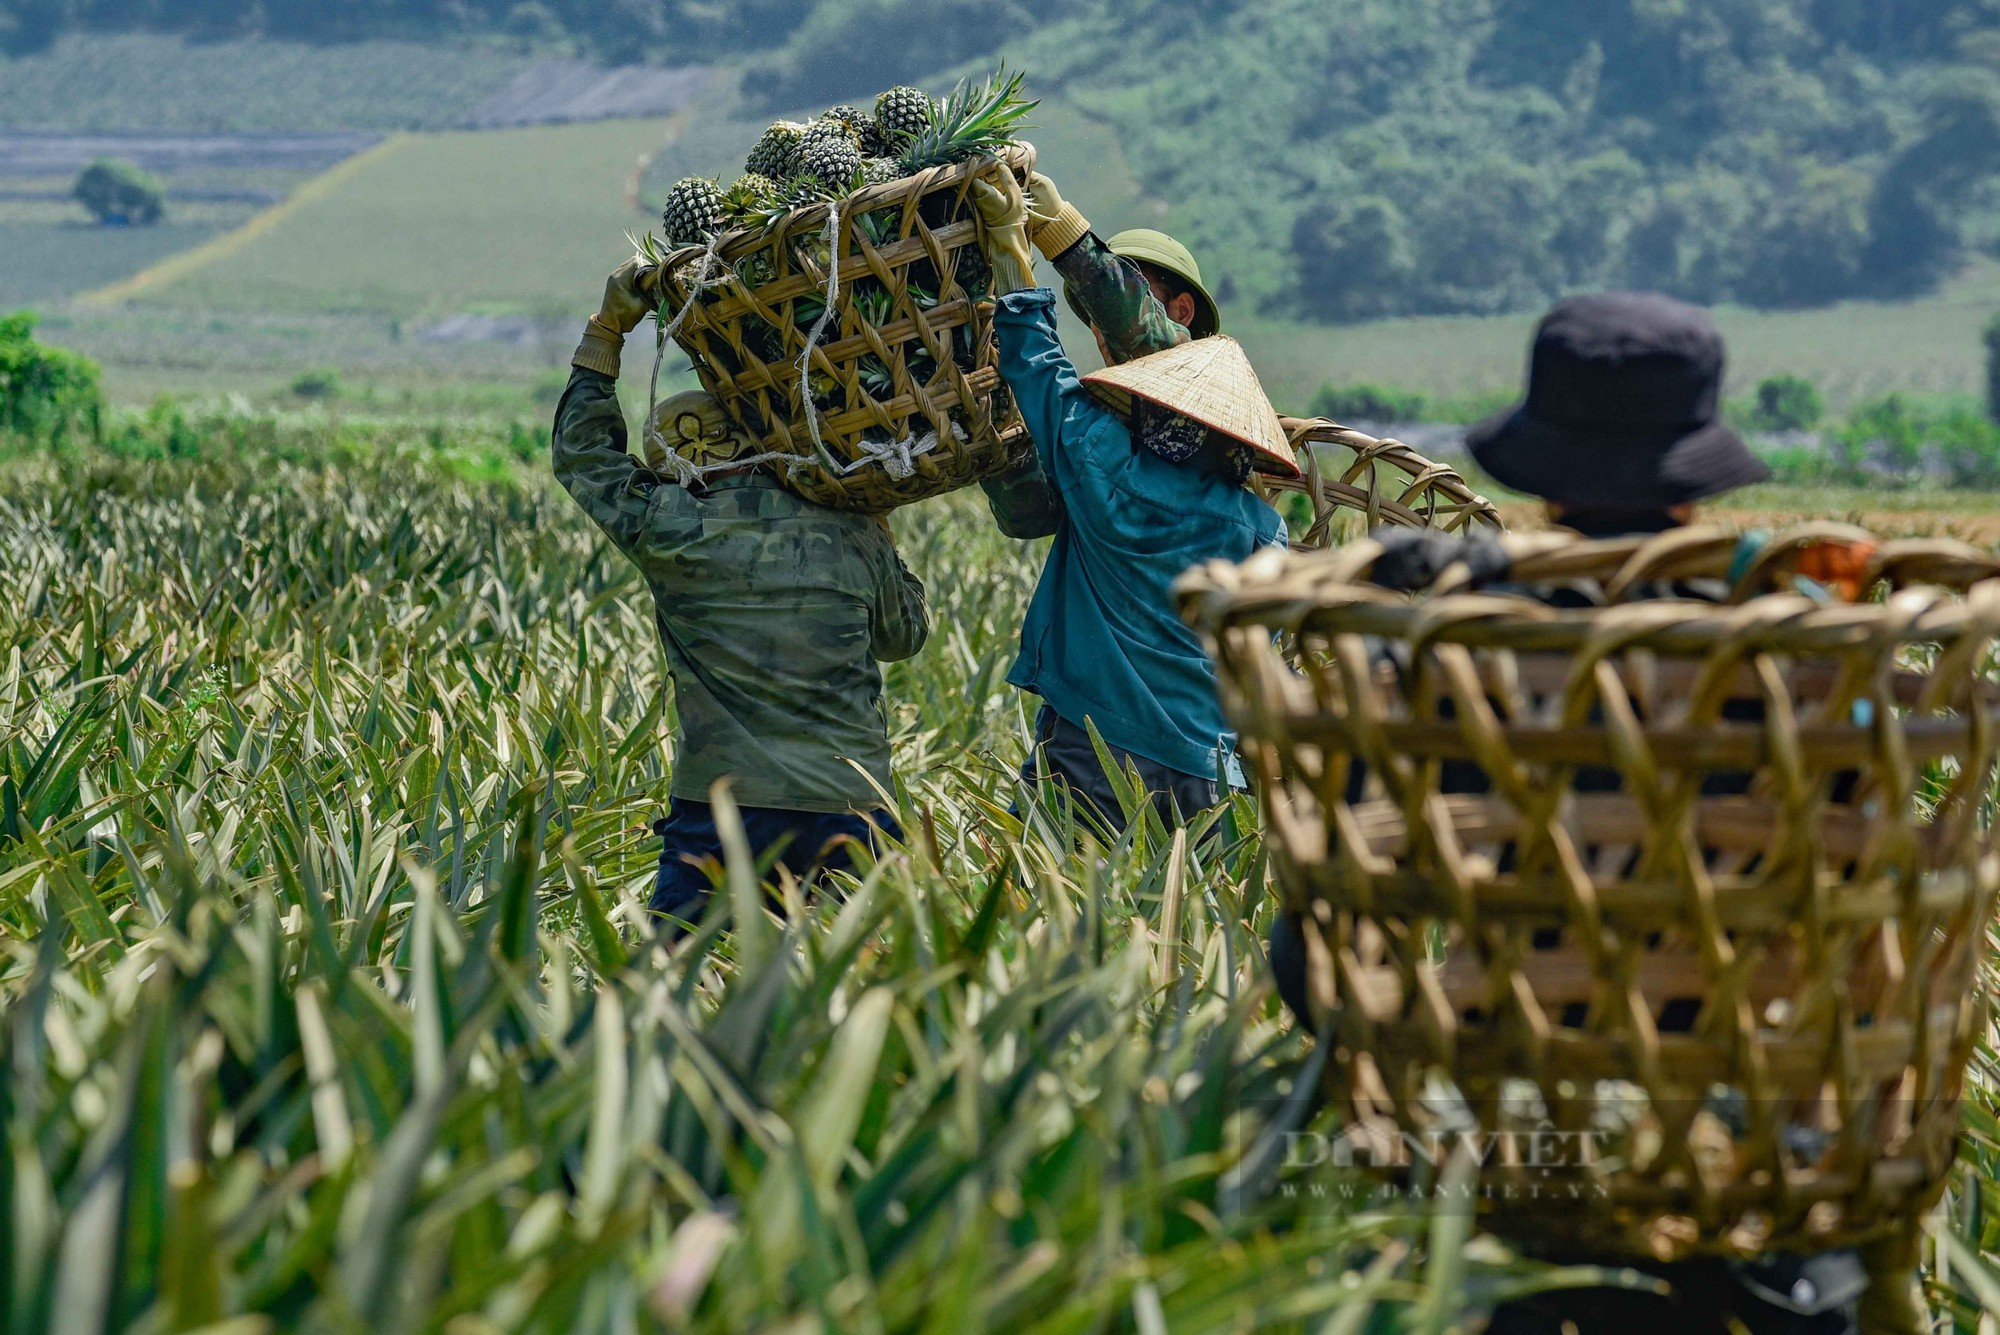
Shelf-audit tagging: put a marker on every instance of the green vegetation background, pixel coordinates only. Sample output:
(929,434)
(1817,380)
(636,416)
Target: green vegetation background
(1344,159)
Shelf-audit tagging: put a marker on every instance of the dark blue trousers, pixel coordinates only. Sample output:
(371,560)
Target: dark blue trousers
(807,843)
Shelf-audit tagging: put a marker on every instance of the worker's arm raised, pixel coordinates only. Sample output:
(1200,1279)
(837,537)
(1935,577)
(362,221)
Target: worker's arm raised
(590,449)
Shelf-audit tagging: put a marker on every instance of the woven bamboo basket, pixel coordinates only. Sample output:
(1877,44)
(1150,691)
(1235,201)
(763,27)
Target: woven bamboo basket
(904,393)
(1679,909)
(1356,483)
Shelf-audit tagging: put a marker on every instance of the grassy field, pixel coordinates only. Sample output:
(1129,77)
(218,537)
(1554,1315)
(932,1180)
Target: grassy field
(46,261)
(324,855)
(1852,351)
(328,999)
(524,221)
(153,83)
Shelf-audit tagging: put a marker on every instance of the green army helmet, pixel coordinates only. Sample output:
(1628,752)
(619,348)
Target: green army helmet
(693,426)
(1162,251)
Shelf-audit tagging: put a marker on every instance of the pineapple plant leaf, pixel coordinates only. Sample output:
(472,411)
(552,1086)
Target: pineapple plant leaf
(973,119)
(646,247)
(755,201)
(875,379)
(881,226)
(803,190)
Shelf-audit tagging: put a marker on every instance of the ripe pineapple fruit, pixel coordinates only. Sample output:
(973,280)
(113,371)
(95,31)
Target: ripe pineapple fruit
(878,171)
(694,211)
(776,153)
(861,126)
(826,127)
(830,160)
(902,113)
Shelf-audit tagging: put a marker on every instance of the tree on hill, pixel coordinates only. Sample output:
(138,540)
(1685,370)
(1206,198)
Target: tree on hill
(119,194)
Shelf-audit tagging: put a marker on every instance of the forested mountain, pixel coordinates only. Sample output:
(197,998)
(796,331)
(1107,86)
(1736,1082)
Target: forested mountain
(1359,158)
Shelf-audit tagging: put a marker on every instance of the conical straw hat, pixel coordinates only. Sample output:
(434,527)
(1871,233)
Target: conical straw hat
(1210,380)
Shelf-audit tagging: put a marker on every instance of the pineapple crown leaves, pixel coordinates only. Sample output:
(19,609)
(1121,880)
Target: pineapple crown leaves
(881,226)
(756,201)
(646,247)
(972,119)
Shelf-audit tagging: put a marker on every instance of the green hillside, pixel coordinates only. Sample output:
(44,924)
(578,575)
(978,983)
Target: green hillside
(1379,193)
(523,221)
(158,82)
(1348,159)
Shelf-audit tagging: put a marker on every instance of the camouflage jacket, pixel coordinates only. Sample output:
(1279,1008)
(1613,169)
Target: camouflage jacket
(1134,323)
(772,612)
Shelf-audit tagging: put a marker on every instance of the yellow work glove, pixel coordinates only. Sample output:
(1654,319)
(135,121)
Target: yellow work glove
(626,302)
(1004,211)
(1053,225)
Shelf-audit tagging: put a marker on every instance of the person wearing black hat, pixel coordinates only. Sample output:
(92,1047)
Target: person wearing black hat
(1621,433)
(1622,428)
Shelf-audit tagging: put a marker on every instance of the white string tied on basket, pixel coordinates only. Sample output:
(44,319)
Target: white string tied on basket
(806,404)
(897,458)
(664,333)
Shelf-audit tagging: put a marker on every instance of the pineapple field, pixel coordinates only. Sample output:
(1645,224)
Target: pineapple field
(330,747)
(328,1000)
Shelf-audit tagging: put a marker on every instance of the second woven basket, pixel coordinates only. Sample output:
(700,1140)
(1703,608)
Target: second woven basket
(1672,899)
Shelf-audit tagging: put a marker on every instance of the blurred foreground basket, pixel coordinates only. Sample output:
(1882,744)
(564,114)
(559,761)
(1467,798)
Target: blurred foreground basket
(1679,908)
(1357,483)
(904,387)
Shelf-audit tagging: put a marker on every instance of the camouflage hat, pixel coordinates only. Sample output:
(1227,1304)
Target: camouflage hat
(693,426)
(1163,252)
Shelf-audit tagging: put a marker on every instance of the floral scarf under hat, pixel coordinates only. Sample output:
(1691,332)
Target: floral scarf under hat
(1179,440)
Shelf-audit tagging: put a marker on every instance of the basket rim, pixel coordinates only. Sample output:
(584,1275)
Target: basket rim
(730,244)
(1298,588)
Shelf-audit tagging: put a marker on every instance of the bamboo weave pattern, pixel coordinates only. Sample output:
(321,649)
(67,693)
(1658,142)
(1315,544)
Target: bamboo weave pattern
(1693,895)
(903,378)
(1383,483)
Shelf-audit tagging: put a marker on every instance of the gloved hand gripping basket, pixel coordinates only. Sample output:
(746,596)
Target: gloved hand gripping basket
(1677,910)
(846,334)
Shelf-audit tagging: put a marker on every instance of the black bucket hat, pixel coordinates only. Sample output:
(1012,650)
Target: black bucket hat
(1623,409)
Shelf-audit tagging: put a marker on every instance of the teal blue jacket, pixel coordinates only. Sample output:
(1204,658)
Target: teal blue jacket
(1101,642)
